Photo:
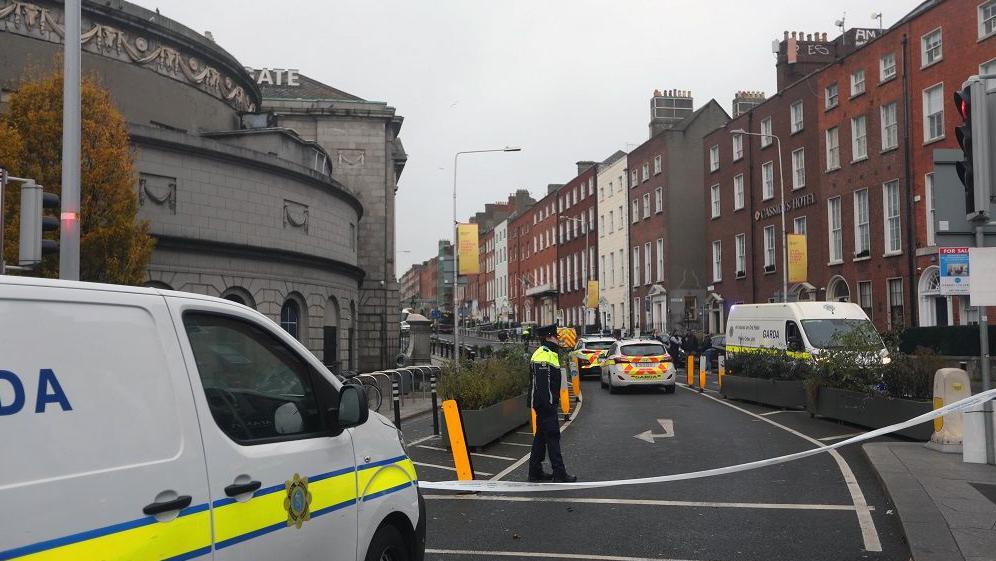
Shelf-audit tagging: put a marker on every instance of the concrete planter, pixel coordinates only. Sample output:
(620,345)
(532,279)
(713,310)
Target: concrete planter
(871,411)
(484,426)
(778,393)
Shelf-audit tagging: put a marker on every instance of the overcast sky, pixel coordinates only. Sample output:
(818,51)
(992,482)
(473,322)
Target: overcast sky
(566,80)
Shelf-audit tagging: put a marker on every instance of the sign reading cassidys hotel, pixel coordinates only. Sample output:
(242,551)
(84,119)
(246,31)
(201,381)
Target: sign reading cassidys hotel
(797,202)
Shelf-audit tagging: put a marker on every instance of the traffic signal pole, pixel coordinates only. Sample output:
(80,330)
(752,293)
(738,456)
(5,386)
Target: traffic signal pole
(69,231)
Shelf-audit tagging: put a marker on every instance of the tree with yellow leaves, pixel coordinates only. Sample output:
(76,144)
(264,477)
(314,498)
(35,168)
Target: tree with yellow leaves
(115,247)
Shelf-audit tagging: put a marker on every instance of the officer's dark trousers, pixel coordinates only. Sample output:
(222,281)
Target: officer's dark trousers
(546,441)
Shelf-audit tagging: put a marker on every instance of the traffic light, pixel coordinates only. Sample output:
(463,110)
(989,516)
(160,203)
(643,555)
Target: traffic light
(973,135)
(34,223)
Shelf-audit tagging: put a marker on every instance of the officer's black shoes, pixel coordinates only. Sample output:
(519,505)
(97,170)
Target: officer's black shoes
(564,478)
(541,477)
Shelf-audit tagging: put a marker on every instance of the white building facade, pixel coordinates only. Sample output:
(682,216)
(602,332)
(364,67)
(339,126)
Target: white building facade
(502,307)
(613,239)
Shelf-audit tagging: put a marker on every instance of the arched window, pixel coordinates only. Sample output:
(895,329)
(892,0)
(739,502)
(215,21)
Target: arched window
(290,318)
(235,298)
(838,290)
(240,296)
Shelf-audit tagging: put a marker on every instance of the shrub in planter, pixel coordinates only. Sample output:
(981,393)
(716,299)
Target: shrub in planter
(481,383)
(773,365)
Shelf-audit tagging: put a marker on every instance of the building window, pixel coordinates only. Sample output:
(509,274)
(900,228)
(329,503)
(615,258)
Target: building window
(933,113)
(862,241)
(799,225)
(290,318)
(769,249)
(636,313)
(890,202)
(832,96)
(766,138)
(636,265)
(657,164)
(931,50)
(857,82)
(622,219)
(859,138)
(646,171)
(987,18)
(738,191)
(887,67)
(714,158)
(989,67)
(646,205)
(660,259)
(833,150)
(929,192)
(865,297)
(612,269)
(741,256)
(714,196)
(352,236)
(795,116)
(799,168)
(717,261)
(601,225)
(895,290)
(836,238)
(767,180)
(634,179)
(890,128)
(636,211)
(647,264)
(738,146)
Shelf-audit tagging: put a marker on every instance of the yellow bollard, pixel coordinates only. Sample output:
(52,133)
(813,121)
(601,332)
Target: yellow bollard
(532,415)
(703,362)
(576,384)
(690,371)
(722,370)
(565,396)
(938,421)
(458,443)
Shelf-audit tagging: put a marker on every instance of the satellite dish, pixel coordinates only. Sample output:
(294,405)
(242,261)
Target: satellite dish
(839,23)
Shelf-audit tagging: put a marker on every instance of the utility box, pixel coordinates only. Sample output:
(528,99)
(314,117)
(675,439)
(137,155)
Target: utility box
(974,441)
(950,385)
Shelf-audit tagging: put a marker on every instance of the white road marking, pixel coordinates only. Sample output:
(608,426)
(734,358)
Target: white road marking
(525,433)
(839,436)
(448,468)
(506,458)
(546,555)
(423,439)
(643,502)
(783,411)
(869,534)
(650,436)
(525,458)
(516,444)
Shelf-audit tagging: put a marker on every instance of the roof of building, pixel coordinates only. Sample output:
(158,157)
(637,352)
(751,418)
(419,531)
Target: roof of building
(307,88)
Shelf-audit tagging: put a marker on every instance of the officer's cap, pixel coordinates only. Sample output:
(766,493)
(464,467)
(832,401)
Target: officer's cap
(546,331)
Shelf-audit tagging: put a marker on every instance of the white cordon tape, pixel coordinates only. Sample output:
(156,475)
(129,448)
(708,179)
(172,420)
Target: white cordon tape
(523,487)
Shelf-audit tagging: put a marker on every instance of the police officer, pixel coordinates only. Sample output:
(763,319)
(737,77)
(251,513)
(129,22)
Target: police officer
(544,395)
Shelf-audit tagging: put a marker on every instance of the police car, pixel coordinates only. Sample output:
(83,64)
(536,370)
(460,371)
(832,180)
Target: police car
(638,362)
(147,424)
(587,356)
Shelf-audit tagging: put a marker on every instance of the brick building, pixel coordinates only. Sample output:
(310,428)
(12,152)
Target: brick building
(577,247)
(667,264)
(858,129)
(533,234)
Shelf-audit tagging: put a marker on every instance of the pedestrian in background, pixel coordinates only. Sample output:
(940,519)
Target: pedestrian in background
(544,396)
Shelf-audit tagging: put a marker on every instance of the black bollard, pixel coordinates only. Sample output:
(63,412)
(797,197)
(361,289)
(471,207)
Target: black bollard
(396,396)
(435,407)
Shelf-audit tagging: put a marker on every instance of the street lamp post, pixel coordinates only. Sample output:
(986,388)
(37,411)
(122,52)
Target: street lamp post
(456,241)
(781,184)
(587,276)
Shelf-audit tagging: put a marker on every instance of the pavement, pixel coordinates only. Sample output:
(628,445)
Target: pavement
(825,507)
(947,507)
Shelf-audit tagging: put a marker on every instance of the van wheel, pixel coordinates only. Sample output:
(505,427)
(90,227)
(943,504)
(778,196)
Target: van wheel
(601,381)
(387,545)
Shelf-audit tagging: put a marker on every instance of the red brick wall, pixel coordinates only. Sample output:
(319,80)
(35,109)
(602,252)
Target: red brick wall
(583,191)
(646,230)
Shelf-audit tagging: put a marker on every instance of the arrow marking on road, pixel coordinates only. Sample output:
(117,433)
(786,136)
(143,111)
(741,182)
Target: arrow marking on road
(650,435)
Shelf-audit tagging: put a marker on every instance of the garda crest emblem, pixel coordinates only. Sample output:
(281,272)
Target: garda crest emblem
(297,503)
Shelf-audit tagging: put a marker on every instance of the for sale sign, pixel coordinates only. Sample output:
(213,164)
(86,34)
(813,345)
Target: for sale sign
(954,271)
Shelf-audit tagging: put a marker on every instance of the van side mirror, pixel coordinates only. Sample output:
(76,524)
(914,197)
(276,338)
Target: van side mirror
(795,343)
(352,411)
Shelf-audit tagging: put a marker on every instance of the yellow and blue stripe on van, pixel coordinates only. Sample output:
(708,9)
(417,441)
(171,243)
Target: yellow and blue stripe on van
(733,349)
(189,535)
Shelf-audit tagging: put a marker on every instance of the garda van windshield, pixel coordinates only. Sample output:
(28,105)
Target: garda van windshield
(836,333)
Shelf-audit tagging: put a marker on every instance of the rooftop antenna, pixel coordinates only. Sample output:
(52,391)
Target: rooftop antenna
(840,23)
(878,16)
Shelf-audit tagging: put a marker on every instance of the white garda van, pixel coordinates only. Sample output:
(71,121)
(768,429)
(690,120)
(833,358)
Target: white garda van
(802,329)
(146,424)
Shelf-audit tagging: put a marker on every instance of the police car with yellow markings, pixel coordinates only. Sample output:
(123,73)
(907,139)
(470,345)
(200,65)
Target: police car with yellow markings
(148,424)
(589,354)
(638,362)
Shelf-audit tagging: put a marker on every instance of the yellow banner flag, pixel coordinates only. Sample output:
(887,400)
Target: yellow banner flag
(797,257)
(467,251)
(593,297)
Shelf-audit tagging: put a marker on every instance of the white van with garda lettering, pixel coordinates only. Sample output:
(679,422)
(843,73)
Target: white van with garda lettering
(802,329)
(148,424)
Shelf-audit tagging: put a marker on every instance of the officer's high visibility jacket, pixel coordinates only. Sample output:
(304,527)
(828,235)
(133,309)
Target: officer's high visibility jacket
(544,383)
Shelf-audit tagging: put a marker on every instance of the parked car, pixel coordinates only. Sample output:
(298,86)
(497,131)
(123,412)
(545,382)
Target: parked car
(638,362)
(587,356)
(154,424)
